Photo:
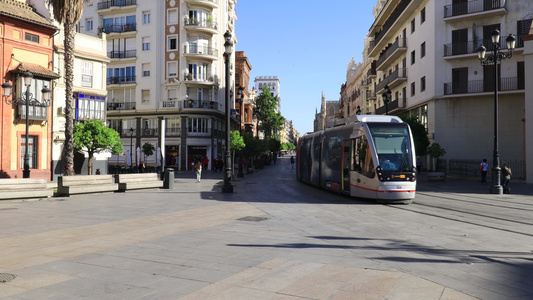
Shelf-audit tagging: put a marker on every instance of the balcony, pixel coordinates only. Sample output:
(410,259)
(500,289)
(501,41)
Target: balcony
(118,3)
(35,112)
(112,106)
(201,25)
(372,73)
(175,131)
(207,3)
(170,104)
(371,95)
(394,106)
(394,79)
(120,28)
(474,9)
(483,86)
(395,15)
(393,52)
(196,79)
(199,104)
(121,80)
(122,54)
(201,52)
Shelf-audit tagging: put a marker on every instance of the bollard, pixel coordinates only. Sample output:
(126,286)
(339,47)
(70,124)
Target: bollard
(169,179)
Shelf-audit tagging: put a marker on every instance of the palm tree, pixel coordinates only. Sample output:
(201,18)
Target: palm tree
(68,13)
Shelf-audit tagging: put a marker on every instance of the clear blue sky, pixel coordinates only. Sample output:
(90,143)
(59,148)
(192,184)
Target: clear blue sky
(308,44)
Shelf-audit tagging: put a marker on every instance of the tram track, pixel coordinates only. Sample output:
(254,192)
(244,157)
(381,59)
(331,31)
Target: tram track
(507,219)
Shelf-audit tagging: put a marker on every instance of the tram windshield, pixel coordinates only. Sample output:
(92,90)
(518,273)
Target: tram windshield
(393,146)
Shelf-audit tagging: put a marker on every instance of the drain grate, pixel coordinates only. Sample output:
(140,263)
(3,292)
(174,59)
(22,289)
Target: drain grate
(6,277)
(253,219)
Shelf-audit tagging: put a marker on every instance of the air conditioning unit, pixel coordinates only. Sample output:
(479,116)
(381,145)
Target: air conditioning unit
(148,132)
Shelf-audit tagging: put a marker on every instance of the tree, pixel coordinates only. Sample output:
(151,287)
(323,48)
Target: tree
(269,121)
(435,151)
(236,144)
(148,150)
(420,135)
(94,137)
(68,13)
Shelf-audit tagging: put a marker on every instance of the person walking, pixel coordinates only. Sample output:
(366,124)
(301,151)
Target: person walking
(198,170)
(506,178)
(292,162)
(483,169)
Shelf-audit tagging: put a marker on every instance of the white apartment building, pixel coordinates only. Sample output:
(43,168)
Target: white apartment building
(166,76)
(426,53)
(90,64)
(273,83)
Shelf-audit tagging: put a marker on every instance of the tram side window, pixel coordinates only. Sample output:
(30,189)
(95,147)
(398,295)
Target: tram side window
(363,158)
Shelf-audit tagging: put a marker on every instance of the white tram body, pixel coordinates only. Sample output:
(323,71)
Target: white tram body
(371,157)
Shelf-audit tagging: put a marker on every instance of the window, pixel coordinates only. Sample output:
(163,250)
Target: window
(198,125)
(423,15)
(86,74)
(35,112)
(413,57)
(89,107)
(121,75)
(423,49)
(146,43)
(423,84)
(413,26)
(172,94)
(89,24)
(172,16)
(172,69)
(198,71)
(172,43)
(145,97)
(32,37)
(146,17)
(413,87)
(173,126)
(32,151)
(146,70)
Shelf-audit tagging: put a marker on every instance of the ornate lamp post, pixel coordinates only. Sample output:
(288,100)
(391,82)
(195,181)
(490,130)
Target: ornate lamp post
(493,59)
(387,95)
(227,187)
(26,98)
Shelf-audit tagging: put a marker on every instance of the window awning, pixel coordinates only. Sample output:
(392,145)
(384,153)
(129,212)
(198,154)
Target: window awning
(36,70)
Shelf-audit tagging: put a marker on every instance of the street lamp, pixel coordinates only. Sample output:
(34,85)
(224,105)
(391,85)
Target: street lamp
(387,95)
(228,45)
(493,59)
(27,99)
(131,146)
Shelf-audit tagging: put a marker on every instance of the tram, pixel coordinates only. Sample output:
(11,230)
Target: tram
(372,157)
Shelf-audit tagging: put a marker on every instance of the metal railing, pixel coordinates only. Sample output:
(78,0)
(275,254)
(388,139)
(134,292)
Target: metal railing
(399,43)
(471,7)
(483,86)
(400,8)
(470,168)
(110,3)
(120,28)
(121,105)
(122,54)
(399,73)
(200,23)
(121,79)
(195,49)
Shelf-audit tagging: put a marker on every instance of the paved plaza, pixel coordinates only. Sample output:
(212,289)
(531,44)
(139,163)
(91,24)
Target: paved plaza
(191,242)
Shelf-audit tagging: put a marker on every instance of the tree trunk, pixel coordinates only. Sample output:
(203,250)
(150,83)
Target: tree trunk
(69,105)
(90,163)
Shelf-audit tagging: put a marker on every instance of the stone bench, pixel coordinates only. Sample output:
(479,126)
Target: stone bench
(24,188)
(83,184)
(138,181)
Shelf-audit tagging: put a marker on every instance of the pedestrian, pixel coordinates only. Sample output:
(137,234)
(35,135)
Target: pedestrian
(206,162)
(292,162)
(214,164)
(198,170)
(506,178)
(141,167)
(483,169)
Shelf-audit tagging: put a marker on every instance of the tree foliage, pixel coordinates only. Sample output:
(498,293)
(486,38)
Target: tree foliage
(420,135)
(148,150)
(270,122)
(94,137)
(236,141)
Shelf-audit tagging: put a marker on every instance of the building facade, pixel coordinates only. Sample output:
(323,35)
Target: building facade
(89,99)
(329,110)
(26,45)
(425,52)
(166,75)
(244,106)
